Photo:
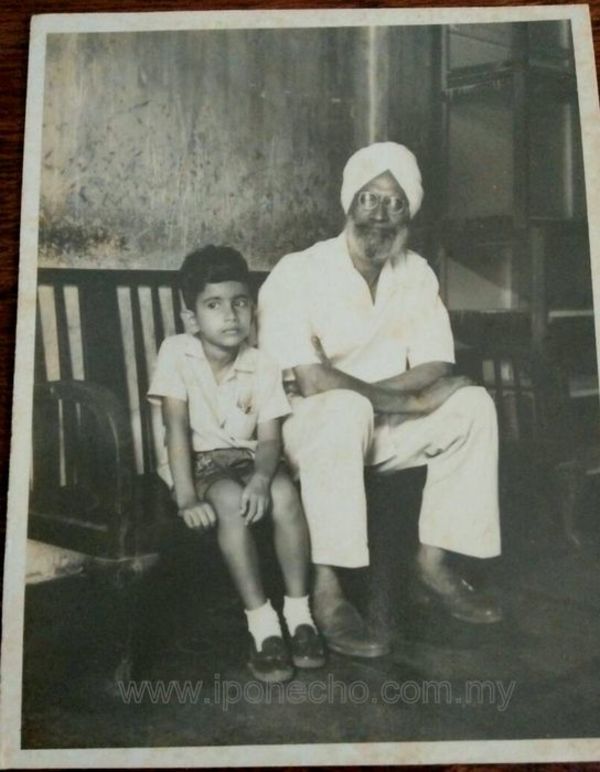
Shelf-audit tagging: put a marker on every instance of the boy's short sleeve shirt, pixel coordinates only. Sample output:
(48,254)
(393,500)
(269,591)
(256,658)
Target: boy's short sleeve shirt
(168,380)
(222,414)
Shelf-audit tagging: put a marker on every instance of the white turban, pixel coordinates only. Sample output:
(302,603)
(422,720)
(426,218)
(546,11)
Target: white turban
(371,161)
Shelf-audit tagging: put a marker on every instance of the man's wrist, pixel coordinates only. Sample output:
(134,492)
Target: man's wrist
(386,401)
(394,402)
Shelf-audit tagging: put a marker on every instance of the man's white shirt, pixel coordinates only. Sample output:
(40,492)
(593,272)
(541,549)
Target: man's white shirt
(330,437)
(318,292)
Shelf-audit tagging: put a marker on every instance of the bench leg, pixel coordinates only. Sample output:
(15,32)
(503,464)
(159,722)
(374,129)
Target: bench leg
(123,585)
(571,481)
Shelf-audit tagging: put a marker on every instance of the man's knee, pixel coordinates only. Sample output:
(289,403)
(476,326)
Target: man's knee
(475,402)
(326,423)
(343,405)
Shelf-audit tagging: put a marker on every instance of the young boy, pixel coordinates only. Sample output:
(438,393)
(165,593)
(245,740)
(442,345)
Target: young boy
(222,402)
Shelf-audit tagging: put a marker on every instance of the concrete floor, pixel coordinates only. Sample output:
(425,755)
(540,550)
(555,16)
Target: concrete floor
(541,666)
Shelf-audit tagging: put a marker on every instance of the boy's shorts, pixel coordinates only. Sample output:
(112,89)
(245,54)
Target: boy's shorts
(235,464)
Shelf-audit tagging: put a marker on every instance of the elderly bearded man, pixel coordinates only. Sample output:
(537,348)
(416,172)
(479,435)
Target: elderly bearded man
(364,340)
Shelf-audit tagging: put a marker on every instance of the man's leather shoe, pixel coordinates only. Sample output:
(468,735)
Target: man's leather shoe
(461,600)
(272,663)
(345,632)
(307,647)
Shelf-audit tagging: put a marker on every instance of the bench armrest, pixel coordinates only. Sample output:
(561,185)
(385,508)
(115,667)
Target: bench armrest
(83,465)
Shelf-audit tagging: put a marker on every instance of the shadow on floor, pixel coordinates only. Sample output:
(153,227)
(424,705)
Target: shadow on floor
(535,675)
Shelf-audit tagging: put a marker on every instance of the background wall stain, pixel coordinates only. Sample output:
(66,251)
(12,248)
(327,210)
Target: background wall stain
(156,143)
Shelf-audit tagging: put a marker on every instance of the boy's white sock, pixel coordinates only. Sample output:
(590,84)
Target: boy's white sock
(263,622)
(297,612)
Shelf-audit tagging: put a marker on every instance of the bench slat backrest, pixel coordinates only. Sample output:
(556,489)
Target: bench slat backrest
(106,327)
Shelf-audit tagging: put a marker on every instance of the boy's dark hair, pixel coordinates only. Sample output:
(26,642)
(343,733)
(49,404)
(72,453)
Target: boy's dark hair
(210,265)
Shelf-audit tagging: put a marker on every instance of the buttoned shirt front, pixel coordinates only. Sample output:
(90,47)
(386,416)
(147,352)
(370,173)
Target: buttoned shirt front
(225,414)
(319,293)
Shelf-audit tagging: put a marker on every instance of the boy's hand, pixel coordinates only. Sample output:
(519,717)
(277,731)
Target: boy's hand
(199,515)
(256,499)
(435,395)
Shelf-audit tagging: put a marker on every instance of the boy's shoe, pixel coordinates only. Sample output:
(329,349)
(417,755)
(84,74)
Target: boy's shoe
(308,649)
(272,663)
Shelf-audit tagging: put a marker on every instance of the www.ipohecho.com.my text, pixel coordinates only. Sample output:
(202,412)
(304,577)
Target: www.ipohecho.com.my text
(226,693)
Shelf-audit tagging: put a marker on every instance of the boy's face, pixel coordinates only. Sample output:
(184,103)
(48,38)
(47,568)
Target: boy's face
(223,312)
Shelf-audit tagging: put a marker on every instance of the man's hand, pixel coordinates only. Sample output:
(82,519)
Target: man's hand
(256,499)
(435,395)
(319,350)
(198,515)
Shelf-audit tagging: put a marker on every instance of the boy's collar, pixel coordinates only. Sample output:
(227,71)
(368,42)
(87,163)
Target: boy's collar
(245,361)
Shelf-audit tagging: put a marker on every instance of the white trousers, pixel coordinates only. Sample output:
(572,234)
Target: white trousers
(330,437)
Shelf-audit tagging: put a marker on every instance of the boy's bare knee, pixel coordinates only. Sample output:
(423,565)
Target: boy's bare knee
(225,498)
(284,496)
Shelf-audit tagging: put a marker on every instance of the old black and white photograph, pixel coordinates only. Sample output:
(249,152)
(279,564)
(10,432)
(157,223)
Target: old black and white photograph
(305,459)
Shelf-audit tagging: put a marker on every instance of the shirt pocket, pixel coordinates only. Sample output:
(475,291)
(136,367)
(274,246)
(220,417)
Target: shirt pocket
(241,423)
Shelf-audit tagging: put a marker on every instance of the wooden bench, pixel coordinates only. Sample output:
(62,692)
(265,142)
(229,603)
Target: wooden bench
(95,436)
(98,333)
(97,337)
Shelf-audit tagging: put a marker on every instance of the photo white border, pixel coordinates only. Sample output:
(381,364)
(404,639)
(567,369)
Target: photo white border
(11,755)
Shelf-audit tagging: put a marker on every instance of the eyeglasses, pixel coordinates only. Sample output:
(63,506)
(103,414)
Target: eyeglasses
(370,201)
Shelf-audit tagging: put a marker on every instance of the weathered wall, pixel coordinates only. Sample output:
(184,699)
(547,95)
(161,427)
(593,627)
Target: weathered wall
(155,143)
